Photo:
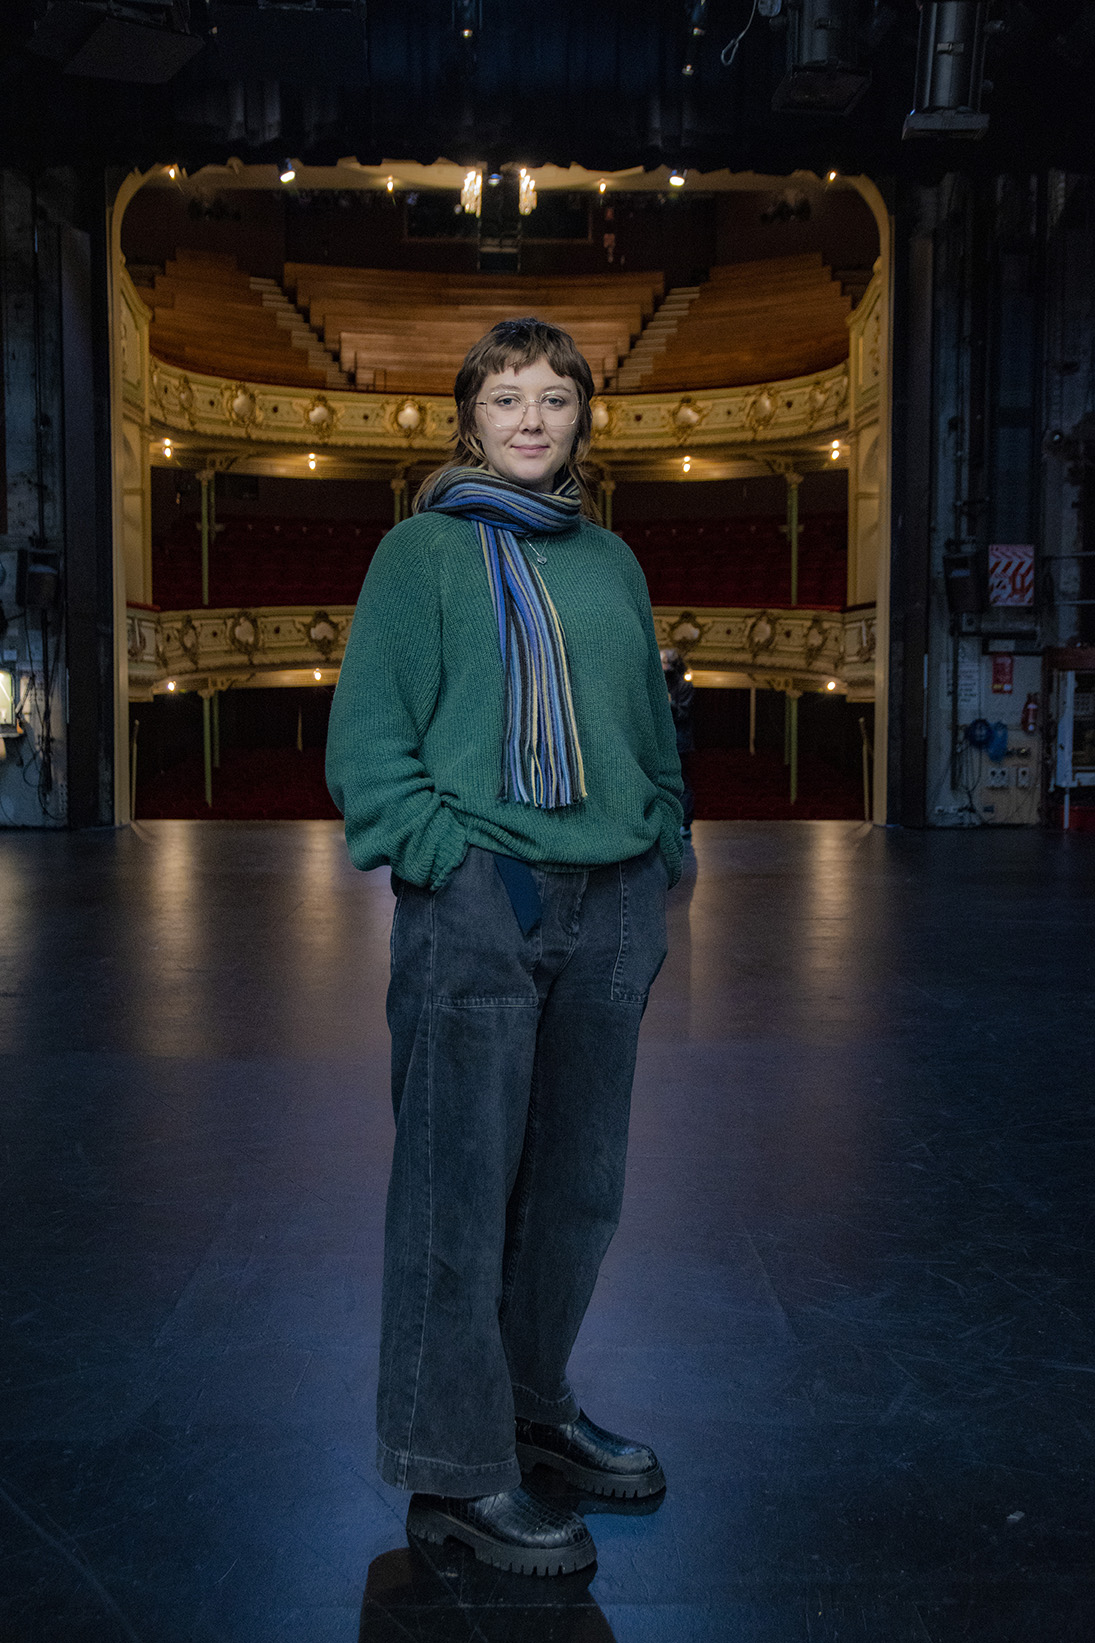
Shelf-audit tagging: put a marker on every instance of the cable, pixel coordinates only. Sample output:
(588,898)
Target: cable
(730,51)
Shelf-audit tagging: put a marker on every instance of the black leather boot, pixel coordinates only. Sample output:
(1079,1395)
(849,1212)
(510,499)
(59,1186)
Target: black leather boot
(590,1458)
(514,1530)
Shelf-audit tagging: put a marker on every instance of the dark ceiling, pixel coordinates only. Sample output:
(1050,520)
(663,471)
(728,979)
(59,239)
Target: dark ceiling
(597,82)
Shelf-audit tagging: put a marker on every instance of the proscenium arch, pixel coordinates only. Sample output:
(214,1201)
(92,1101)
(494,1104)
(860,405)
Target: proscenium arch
(870,437)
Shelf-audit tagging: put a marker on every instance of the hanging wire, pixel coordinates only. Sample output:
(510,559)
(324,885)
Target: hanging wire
(730,51)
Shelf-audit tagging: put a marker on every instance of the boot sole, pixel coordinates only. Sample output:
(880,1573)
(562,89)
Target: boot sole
(591,1481)
(429,1524)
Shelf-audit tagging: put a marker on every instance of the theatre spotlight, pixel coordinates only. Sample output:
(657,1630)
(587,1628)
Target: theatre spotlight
(822,73)
(950,63)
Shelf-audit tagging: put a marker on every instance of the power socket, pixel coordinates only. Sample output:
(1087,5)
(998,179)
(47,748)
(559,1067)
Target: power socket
(998,776)
(1022,776)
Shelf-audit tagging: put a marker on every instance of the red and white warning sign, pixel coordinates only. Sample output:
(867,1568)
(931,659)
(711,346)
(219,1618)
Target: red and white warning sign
(1011,574)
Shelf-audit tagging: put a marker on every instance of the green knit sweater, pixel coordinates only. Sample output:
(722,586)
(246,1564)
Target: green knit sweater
(414,749)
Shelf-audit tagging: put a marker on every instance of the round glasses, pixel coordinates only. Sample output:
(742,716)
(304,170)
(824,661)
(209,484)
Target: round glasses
(506,410)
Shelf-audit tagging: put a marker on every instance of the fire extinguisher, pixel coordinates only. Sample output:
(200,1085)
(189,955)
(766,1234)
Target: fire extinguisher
(1030,714)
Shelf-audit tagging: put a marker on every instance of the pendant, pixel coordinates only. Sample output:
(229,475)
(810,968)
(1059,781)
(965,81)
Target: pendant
(541,559)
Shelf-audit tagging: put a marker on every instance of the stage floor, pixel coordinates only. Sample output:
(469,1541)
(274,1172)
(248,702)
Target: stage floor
(851,1300)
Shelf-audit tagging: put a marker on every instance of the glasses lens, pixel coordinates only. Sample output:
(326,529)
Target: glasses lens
(558,408)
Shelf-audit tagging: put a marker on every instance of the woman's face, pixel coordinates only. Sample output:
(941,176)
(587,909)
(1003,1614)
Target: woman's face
(533,450)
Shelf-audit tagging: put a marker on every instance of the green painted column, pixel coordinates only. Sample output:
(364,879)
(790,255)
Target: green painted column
(792,704)
(207,749)
(793,482)
(207,481)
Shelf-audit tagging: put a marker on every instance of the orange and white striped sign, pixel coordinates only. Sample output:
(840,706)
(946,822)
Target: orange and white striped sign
(1011,574)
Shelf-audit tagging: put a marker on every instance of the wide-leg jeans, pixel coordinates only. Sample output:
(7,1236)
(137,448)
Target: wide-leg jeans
(512,1062)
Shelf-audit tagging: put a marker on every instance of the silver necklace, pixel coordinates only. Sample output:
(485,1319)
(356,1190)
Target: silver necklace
(540,558)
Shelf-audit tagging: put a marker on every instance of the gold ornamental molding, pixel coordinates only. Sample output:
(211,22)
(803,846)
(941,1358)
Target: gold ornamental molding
(250,413)
(200,650)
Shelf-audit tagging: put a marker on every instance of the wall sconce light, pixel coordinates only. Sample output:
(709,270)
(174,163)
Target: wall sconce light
(317,676)
(676,179)
(167,449)
(687,464)
(389,184)
(526,195)
(312,460)
(171,685)
(409,417)
(831,685)
(287,172)
(471,193)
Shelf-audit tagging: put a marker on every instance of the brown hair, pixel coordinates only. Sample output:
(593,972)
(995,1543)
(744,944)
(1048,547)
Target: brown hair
(514,344)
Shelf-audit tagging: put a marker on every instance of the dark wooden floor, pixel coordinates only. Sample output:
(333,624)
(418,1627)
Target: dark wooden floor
(850,1302)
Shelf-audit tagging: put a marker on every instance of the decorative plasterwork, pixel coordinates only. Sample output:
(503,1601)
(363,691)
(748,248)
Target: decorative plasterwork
(741,417)
(194,647)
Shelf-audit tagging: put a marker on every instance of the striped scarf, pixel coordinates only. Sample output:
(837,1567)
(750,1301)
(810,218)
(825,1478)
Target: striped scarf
(541,758)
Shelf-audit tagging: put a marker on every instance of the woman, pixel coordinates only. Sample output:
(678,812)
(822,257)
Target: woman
(501,736)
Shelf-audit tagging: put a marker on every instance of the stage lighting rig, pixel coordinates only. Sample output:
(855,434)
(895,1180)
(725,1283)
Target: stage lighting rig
(950,62)
(823,74)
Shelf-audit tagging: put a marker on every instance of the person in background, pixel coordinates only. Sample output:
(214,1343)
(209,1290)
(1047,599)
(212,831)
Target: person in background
(681,691)
(501,736)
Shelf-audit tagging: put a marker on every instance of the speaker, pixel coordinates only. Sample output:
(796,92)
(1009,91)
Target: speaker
(962,580)
(37,578)
(97,47)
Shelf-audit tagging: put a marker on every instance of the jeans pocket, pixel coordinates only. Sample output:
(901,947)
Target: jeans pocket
(643,943)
